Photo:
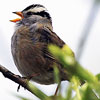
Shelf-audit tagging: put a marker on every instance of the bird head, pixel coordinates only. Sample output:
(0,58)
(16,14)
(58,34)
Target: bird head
(32,10)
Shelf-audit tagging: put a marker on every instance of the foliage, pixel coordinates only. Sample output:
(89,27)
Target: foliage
(90,90)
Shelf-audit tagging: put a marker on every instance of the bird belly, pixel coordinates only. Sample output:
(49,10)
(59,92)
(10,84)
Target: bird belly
(29,61)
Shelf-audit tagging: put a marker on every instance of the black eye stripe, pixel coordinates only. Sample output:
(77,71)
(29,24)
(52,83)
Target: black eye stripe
(29,13)
(42,13)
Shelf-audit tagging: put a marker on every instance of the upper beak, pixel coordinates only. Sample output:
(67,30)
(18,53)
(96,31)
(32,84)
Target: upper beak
(17,19)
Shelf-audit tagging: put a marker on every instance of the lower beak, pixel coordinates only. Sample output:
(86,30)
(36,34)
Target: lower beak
(17,19)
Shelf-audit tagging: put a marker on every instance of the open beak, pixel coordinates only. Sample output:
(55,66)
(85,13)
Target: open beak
(17,19)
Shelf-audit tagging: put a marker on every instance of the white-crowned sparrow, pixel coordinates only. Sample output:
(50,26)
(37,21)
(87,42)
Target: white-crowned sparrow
(33,33)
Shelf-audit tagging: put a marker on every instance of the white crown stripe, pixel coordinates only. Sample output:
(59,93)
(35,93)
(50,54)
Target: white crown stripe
(37,9)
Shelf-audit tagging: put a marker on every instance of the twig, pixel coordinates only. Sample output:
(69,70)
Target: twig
(16,78)
(23,82)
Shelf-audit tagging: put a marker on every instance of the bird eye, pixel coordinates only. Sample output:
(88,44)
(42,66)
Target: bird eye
(29,13)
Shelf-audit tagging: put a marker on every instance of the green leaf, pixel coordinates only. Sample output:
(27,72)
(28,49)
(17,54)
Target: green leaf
(98,76)
(37,92)
(71,65)
(69,93)
(68,50)
(76,84)
(74,68)
(87,93)
(56,74)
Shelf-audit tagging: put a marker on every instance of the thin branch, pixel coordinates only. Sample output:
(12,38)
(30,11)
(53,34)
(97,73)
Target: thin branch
(23,82)
(87,28)
(16,78)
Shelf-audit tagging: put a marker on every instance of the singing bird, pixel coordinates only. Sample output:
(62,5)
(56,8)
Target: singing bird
(29,45)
